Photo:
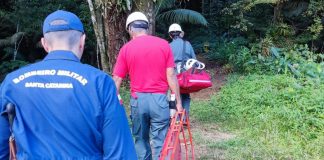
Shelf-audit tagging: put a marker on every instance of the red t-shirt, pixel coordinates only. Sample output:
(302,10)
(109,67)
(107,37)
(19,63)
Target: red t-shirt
(146,59)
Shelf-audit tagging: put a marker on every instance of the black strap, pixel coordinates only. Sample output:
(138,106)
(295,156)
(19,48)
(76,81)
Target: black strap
(183,54)
(10,113)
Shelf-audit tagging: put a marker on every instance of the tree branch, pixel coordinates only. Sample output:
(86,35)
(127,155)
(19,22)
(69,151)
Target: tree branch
(10,41)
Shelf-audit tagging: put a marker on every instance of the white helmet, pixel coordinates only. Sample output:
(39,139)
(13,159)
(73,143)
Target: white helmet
(175,27)
(136,16)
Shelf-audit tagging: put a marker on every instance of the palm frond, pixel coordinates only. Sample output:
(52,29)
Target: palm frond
(266,2)
(183,15)
(163,4)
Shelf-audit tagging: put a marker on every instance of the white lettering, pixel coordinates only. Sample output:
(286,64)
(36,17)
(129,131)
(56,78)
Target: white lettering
(47,72)
(79,78)
(33,73)
(48,85)
(52,72)
(84,81)
(58,85)
(16,80)
(21,77)
(34,85)
(74,75)
(27,74)
(62,73)
(40,72)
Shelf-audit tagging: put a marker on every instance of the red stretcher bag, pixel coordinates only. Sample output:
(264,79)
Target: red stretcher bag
(193,80)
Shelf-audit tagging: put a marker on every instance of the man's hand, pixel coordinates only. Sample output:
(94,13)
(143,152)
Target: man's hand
(179,107)
(118,81)
(120,99)
(174,86)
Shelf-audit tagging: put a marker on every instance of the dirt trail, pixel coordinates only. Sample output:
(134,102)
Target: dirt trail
(218,78)
(206,135)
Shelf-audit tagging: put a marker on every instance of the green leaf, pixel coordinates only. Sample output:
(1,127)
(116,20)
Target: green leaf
(163,4)
(183,15)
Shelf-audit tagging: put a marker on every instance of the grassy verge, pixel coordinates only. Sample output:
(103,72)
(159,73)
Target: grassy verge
(274,117)
(125,95)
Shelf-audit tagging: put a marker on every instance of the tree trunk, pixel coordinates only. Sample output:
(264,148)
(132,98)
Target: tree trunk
(277,18)
(108,22)
(147,7)
(115,32)
(97,22)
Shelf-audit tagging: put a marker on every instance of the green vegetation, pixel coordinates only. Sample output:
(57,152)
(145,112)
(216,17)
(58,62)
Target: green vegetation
(125,94)
(275,36)
(237,34)
(273,101)
(274,117)
(21,31)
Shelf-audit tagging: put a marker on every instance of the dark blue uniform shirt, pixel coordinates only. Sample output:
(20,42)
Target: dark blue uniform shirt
(64,110)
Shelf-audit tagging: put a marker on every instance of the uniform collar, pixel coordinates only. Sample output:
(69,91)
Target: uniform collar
(176,39)
(61,54)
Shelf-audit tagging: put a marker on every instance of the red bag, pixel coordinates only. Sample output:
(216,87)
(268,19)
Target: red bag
(193,80)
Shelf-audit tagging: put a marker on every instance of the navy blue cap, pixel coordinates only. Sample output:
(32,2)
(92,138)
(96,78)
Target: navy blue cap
(61,21)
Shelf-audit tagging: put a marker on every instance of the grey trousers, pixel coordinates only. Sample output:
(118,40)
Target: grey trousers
(150,116)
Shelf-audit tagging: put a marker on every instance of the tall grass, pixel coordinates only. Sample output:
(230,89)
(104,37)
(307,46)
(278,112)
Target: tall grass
(274,117)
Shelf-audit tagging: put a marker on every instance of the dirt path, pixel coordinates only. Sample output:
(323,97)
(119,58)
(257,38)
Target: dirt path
(218,78)
(207,135)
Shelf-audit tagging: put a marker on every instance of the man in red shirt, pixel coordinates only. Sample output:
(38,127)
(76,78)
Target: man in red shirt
(149,62)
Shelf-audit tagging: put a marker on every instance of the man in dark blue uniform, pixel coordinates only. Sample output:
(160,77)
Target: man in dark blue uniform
(64,109)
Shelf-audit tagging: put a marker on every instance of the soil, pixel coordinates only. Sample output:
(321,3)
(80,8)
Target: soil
(218,77)
(209,134)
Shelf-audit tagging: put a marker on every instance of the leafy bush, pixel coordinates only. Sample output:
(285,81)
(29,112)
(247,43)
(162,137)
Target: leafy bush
(298,61)
(223,50)
(305,62)
(125,95)
(275,117)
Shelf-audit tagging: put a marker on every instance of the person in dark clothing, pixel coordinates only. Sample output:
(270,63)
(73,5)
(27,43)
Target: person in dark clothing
(182,51)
